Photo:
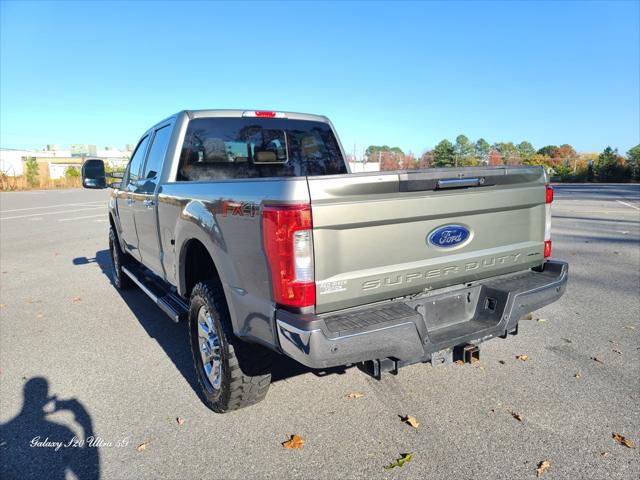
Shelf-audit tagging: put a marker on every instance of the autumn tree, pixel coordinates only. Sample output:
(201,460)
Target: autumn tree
(509,153)
(375,153)
(426,159)
(564,151)
(494,158)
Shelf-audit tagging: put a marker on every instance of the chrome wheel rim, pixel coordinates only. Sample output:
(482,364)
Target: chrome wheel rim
(209,345)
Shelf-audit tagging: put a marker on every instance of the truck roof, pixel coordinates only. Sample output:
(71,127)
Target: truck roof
(239,113)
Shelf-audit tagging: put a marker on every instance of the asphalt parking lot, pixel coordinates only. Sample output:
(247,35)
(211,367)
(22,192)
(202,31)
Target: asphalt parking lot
(121,371)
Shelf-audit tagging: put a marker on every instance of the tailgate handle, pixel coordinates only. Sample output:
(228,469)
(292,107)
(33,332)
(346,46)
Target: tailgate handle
(459,183)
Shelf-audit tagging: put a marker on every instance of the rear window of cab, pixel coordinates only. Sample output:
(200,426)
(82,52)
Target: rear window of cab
(222,148)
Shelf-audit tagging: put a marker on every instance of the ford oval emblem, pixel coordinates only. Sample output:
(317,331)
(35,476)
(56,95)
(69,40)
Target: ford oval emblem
(449,236)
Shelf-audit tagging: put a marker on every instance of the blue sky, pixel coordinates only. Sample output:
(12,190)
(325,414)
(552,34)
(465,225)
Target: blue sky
(405,74)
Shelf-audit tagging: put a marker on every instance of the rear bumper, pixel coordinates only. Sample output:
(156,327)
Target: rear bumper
(412,330)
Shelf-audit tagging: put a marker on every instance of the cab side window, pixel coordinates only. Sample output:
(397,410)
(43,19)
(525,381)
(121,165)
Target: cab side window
(133,171)
(153,168)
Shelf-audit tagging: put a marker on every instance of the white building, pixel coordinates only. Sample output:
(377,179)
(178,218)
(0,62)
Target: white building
(11,161)
(359,167)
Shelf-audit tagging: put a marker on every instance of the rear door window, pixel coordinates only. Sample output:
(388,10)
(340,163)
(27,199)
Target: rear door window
(222,148)
(152,169)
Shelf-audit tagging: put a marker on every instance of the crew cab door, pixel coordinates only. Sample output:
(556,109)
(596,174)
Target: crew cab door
(126,199)
(145,207)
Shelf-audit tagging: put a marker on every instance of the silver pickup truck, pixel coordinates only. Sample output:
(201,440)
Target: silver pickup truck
(249,226)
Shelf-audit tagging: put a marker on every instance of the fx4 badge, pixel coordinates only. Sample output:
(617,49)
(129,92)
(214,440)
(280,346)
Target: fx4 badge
(449,236)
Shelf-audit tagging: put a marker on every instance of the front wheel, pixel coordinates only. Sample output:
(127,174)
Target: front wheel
(231,373)
(118,258)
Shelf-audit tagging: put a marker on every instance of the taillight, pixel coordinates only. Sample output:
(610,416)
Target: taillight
(549,198)
(547,221)
(288,244)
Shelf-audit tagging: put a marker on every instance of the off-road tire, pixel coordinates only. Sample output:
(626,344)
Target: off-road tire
(118,259)
(246,367)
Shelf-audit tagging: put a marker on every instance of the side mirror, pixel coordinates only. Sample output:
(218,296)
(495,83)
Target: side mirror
(93,174)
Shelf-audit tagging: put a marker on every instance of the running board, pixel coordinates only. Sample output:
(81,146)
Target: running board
(169,302)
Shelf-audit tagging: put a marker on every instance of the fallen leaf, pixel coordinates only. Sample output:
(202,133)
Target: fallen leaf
(406,457)
(180,420)
(459,362)
(541,320)
(542,466)
(617,351)
(517,416)
(604,454)
(411,420)
(577,375)
(528,316)
(493,410)
(501,362)
(524,358)
(596,359)
(142,447)
(296,441)
(629,327)
(76,299)
(622,440)
(355,395)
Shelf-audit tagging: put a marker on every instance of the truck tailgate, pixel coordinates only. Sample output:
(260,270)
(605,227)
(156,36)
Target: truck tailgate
(371,231)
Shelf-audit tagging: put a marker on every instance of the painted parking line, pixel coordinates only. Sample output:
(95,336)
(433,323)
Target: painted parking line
(628,204)
(80,218)
(83,204)
(62,212)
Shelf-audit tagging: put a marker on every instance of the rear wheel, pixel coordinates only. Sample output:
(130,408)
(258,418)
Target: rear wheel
(118,259)
(231,373)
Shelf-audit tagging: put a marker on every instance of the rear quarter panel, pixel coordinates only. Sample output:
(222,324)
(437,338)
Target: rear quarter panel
(225,216)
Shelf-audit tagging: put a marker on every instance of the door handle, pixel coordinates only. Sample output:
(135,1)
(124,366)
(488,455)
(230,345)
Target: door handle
(460,182)
(148,202)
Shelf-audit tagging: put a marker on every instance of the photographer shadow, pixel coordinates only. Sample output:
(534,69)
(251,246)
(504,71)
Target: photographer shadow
(33,447)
